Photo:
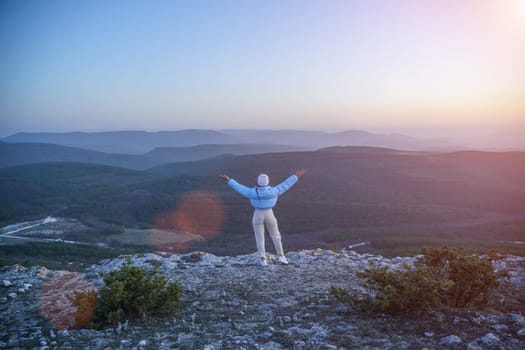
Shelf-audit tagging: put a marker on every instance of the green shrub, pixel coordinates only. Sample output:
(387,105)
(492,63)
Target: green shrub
(132,292)
(441,277)
(470,278)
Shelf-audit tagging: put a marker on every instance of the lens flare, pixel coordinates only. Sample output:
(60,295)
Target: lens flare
(68,300)
(199,216)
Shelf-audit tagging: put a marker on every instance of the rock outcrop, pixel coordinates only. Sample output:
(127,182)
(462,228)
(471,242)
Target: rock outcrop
(233,303)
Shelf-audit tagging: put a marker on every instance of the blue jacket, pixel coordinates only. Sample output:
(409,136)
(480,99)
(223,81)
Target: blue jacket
(263,197)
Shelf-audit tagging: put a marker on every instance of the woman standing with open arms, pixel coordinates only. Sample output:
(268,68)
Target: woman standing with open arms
(263,198)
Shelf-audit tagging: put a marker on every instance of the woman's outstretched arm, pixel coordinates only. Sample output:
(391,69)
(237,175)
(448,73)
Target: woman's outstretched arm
(289,182)
(237,187)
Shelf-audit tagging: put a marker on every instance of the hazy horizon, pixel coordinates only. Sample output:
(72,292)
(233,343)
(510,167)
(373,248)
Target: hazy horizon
(412,131)
(309,65)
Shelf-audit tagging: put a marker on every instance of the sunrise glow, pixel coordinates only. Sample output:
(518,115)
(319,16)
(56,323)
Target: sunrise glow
(308,65)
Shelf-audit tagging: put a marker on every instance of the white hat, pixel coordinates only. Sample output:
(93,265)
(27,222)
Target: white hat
(263,180)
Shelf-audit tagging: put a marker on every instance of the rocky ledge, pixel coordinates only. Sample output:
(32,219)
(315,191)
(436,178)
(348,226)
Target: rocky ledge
(232,303)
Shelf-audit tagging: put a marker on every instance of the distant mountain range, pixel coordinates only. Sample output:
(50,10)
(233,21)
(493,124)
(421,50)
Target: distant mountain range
(142,150)
(135,142)
(139,142)
(12,154)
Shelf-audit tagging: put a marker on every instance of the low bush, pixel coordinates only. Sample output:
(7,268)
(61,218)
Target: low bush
(440,277)
(133,292)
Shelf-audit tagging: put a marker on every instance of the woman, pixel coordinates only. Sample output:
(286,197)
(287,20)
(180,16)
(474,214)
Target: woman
(263,198)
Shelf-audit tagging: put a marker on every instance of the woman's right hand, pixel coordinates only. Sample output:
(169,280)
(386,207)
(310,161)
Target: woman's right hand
(300,173)
(225,177)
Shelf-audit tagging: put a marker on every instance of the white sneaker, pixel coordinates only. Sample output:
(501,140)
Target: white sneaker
(282,259)
(262,261)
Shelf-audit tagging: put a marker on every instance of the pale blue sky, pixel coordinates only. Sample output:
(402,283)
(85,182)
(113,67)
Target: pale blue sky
(166,65)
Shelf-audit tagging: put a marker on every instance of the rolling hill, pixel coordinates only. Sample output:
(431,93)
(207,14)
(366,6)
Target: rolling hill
(139,142)
(13,154)
(199,152)
(396,199)
(135,142)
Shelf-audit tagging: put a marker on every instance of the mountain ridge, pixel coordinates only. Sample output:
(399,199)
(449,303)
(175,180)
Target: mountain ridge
(20,153)
(134,142)
(142,141)
(138,142)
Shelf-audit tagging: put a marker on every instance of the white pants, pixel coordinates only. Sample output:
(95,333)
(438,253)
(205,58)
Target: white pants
(262,217)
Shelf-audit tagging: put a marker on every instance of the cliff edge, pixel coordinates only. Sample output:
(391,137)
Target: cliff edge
(233,303)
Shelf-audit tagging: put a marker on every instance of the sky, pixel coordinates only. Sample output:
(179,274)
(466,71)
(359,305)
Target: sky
(277,64)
